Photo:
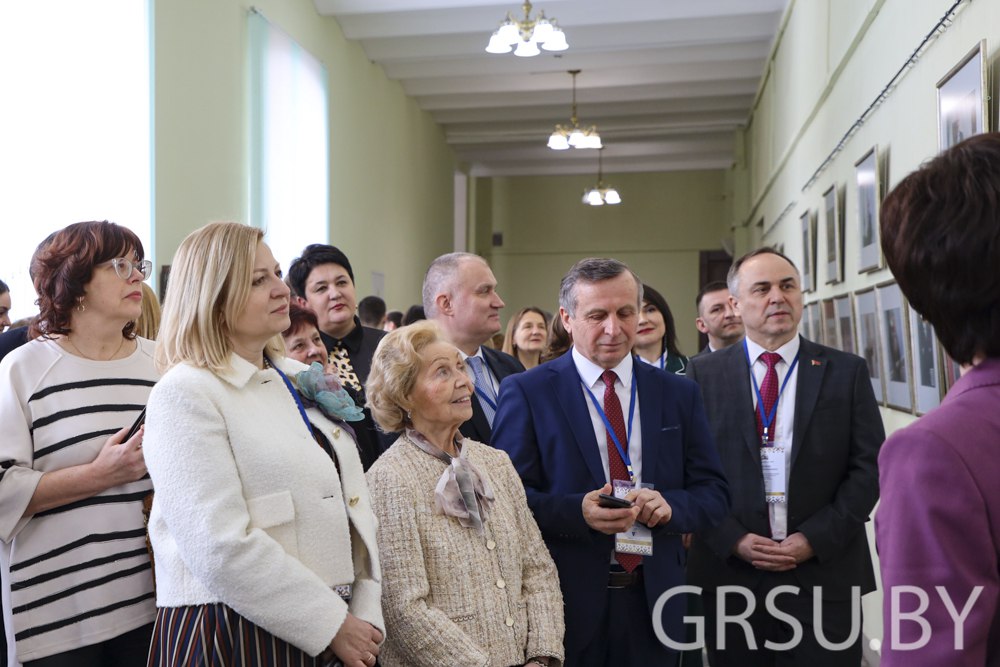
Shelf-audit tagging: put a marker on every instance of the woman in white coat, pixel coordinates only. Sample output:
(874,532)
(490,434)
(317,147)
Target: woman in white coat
(262,528)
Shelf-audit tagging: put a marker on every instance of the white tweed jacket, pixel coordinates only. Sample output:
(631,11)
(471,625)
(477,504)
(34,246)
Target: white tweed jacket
(250,511)
(451,596)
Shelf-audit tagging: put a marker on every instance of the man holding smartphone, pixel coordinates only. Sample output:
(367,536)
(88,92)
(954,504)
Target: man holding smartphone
(594,422)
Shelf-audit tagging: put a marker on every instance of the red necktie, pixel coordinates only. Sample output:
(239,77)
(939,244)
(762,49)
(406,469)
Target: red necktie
(768,394)
(616,465)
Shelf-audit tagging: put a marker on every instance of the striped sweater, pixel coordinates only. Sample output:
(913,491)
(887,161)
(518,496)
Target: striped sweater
(79,574)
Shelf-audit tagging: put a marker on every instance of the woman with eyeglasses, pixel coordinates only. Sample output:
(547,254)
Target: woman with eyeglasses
(79,586)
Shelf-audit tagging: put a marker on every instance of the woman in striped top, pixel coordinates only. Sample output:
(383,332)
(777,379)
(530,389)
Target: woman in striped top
(80,585)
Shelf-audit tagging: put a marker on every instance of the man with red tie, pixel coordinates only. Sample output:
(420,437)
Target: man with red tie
(798,431)
(596,422)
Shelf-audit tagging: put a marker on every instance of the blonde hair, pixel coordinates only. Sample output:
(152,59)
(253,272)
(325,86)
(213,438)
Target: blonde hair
(148,323)
(394,371)
(209,287)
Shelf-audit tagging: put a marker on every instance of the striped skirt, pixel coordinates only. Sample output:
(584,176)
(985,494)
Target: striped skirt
(213,635)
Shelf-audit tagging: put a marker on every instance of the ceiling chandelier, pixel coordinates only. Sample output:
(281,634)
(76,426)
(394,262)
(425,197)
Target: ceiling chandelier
(572,136)
(601,194)
(527,34)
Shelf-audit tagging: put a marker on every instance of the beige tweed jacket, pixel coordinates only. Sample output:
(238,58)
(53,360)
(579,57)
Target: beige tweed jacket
(450,596)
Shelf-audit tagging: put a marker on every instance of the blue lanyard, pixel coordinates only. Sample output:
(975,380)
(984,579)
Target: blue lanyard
(623,451)
(768,419)
(294,393)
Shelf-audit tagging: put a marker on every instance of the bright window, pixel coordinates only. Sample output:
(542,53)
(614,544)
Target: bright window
(289,168)
(75,126)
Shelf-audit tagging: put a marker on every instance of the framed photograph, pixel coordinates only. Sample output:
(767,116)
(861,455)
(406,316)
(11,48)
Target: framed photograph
(834,237)
(816,322)
(926,365)
(829,324)
(868,339)
(844,311)
(869,200)
(961,99)
(808,254)
(895,366)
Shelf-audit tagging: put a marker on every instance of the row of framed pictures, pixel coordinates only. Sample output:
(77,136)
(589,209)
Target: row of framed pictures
(962,112)
(909,369)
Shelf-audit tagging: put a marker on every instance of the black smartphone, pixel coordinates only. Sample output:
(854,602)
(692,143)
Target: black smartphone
(139,421)
(607,500)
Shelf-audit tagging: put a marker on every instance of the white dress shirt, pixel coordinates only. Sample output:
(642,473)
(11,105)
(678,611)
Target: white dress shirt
(590,375)
(784,420)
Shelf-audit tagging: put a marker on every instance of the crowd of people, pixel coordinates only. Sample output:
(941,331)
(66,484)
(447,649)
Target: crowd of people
(270,471)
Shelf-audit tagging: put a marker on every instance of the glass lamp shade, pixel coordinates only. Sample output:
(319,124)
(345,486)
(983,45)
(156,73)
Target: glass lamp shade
(542,32)
(509,33)
(592,140)
(556,41)
(526,49)
(558,141)
(576,138)
(593,197)
(612,197)
(497,45)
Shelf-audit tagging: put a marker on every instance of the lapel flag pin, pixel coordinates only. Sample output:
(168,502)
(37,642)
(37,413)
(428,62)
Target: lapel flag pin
(816,362)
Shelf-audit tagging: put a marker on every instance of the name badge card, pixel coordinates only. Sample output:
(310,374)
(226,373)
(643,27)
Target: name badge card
(638,539)
(772,463)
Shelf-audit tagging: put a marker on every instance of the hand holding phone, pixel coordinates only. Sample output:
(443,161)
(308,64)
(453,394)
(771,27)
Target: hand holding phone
(139,421)
(608,500)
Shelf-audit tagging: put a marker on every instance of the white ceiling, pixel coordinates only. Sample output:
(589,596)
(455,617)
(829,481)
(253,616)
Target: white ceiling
(665,81)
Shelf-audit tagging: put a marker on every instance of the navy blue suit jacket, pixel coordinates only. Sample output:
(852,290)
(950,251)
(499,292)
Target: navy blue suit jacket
(544,425)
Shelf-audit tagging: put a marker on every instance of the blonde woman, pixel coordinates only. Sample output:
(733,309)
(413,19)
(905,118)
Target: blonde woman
(468,580)
(527,335)
(261,524)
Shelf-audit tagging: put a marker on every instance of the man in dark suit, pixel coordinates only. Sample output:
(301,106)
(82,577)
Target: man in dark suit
(716,317)
(564,426)
(460,294)
(798,430)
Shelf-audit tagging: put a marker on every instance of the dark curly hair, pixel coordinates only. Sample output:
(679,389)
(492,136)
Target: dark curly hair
(64,264)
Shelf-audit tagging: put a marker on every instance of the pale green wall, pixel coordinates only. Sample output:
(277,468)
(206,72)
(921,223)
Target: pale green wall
(831,61)
(390,170)
(665,220)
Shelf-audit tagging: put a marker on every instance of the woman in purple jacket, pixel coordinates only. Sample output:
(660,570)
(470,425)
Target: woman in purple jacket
(938,526)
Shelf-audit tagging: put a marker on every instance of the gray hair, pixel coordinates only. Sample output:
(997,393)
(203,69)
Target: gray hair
(592,270)
(733,277)
(439,276)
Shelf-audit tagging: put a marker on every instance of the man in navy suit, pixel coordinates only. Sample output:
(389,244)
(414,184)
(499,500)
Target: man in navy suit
(460,294)
(564,426)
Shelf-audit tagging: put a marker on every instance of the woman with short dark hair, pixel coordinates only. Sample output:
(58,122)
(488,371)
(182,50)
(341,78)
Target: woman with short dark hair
(938,521)
(81,586)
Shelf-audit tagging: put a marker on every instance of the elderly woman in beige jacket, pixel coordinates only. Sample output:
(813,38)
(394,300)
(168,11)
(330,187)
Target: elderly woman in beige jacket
(467,579)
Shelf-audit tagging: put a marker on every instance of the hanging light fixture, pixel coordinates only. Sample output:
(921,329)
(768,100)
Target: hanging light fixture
(601,194)
(572,135)
(527,35)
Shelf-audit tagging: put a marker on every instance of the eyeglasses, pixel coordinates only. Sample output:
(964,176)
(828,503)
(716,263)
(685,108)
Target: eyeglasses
(124,267)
